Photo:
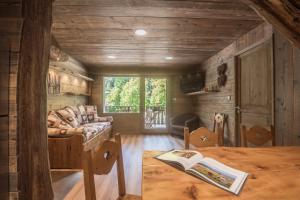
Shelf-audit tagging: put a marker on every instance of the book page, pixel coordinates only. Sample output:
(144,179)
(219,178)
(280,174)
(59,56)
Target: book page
(219,174)
(185,157)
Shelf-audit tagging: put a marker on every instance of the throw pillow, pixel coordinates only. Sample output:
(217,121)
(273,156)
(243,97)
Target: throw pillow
(83,114)
(54,121)
(75,110)
(68,117)
(91,112)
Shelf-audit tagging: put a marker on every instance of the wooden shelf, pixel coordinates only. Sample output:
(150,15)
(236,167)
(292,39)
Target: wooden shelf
(201,92)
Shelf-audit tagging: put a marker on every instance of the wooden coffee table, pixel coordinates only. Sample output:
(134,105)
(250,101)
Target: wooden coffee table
(274,173)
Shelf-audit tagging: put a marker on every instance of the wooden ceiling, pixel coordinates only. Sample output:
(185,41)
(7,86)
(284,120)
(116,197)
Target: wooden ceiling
(190,31)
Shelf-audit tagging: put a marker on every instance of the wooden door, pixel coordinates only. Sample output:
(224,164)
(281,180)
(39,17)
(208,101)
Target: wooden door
(4,87)
(255,87)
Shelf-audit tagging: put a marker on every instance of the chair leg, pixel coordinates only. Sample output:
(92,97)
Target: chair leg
(88,175)
(120,167)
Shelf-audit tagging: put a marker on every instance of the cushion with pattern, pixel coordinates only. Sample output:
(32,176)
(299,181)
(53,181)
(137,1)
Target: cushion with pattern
(54,121)
(76,111)
(83,114)
(68,117)
(91,112)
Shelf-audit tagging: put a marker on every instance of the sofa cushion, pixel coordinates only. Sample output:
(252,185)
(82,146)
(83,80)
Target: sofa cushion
(92,129)
(91,112)
(68,117)
(83,114)
(76,111)
(105,119)
(54,121)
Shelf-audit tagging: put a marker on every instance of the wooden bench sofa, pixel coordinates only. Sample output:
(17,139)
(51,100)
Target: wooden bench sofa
(74,132)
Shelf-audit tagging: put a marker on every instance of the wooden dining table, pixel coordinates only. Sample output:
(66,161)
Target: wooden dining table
(274,173)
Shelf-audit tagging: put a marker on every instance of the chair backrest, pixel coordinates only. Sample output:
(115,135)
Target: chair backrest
(219,124)
(201,137)
(257,135)
(109,153)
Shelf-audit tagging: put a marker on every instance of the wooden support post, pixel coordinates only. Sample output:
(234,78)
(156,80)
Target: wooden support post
(88,176)
(33,163)
(120,167)
(186,138)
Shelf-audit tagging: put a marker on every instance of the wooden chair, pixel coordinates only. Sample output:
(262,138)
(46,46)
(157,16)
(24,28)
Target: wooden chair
(101,162)
(219,124)
(201,137)
(257,135)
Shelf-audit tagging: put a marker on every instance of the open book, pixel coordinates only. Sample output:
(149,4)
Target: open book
(208,169)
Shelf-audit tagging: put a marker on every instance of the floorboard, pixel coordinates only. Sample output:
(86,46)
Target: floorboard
(69,186)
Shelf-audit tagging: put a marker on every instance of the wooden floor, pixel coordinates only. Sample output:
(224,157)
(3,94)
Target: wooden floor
(69,186)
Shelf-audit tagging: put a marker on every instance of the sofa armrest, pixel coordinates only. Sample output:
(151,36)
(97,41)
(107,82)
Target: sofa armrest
(192,123)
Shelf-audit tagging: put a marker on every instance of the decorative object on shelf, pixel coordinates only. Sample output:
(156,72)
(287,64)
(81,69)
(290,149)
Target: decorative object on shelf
(211,88)
(57,55)
(222,78)
(53,82)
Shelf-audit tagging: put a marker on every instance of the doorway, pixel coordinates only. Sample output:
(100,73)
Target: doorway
(155,114)
(255,96)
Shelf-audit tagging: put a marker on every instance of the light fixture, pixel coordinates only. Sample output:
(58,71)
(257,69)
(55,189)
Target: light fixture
(111,57)
(169,58)
(140,32)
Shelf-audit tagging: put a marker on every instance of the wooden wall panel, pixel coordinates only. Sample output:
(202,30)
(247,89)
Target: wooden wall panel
(287,91)
(224,101)
(10,29)
(4,119)
(4,158)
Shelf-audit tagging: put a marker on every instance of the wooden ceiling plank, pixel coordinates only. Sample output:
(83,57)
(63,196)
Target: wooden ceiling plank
(213,12)
(190,30)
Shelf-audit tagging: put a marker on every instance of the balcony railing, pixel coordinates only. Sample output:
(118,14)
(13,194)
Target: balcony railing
(155,117)
(121,109)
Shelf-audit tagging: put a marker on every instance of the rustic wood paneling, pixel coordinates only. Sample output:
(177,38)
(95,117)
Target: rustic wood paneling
(4,119)
(287,91)
(224,101)
(190,31)
(10,30)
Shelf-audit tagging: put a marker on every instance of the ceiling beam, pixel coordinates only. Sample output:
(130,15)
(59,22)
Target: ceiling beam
(284,15)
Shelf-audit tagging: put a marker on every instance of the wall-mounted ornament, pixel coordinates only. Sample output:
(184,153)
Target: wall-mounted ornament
(58,55)
(222,78)
(53,82)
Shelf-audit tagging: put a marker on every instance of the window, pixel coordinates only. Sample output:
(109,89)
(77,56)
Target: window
(121,94)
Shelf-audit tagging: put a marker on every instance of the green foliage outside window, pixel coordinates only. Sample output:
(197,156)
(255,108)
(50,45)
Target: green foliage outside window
(122,94)
(155,92)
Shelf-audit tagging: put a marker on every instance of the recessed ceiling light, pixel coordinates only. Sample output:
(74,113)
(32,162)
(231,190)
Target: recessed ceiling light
(111,57)
(140,32)
(169,58)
